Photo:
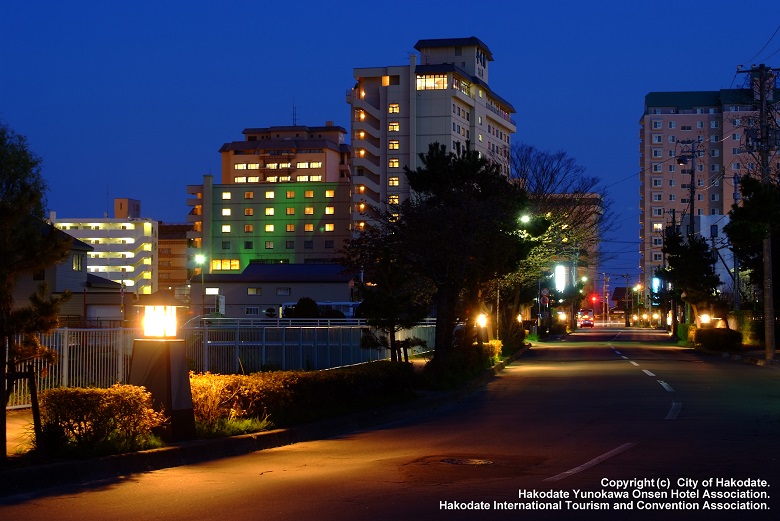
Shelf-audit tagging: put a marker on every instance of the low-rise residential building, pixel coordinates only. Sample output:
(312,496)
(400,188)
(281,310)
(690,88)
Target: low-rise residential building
(261,290)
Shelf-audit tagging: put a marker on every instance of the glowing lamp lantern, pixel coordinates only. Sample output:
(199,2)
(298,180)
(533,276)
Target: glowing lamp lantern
(159,321)
(159,364)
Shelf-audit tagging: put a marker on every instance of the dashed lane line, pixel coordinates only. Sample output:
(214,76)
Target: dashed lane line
(591,463)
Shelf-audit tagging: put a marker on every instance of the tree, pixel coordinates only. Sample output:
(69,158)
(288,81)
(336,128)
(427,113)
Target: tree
(690,269)
(756,218)
(570,214)
(460,230)
(393,297)
(27,244)
(306,307)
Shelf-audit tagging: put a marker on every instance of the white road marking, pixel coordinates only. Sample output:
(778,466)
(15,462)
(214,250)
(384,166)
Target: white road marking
(591,463)
(674,411)
(666,386)
(634,363)
(648,373)
(616,351)
(624,357)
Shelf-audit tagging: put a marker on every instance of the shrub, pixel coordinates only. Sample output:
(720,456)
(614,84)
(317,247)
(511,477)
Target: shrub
(718,339)
(80,422)
(286,397)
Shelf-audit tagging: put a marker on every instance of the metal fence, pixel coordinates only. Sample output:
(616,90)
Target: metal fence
(101,357)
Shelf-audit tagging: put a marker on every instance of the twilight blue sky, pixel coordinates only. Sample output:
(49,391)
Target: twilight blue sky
(133,99)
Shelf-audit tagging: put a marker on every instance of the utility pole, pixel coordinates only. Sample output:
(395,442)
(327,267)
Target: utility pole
(737,289)
(762,82)
(689,153)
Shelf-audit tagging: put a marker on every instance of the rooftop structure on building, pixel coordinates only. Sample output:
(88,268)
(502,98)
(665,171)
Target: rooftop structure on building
(398,111)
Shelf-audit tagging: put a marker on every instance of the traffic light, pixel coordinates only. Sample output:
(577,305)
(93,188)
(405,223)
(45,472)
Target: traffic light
(594,299)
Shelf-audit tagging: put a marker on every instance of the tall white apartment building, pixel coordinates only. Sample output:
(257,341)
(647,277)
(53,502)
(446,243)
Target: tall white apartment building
(397,111)
(125,246)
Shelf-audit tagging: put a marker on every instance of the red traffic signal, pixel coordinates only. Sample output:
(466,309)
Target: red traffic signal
(594,299)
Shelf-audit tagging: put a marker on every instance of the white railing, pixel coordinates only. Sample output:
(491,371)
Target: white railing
(101,357)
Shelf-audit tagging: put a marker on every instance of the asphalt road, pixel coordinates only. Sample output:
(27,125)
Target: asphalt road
(609,424)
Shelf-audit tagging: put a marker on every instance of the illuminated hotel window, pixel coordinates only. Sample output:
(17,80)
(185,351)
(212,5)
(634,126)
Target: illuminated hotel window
(393,126)
(330,193)
(272,166)
(240,179)
(253,166)
(290,210)
(302,164)
(393,144)
(309,210)
(393,181)
(249,212)
(316,164)
(249,195)
(329,210)
(269,195)
(272,178)
(269,227)
(290,228)
(249,228)
(226,212)
(432,82)
(284,179)
(393,163)
(269,211)
(308,227)
(308,194)
(315,178)
(269,245)
(223,264)
(253,179)
(393,199)
(225,228)
(284,165)
(393,108)
(329,227)
(290,194)
(302,178)
(240,166)
(226,195)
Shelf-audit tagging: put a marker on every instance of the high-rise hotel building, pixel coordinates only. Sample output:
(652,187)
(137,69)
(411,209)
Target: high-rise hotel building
(283,197)
(708,130)
(397,111)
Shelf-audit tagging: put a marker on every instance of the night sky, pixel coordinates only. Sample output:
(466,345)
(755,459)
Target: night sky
(134,99)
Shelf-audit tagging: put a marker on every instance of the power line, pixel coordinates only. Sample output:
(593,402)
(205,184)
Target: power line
(766,45)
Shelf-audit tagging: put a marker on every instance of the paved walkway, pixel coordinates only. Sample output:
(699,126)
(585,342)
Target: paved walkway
(19,431)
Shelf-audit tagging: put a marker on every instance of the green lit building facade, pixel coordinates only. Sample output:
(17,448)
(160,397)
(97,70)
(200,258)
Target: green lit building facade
(284,197)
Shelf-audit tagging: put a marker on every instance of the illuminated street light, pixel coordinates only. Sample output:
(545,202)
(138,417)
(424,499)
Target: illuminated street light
(200,259)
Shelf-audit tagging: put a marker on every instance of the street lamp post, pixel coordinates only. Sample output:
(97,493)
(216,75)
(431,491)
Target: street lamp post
(200,259)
